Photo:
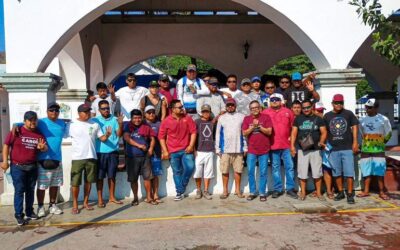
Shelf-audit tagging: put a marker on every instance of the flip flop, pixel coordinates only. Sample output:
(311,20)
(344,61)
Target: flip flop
(152,202)
(263,198)
(239,195)
(88,207)
(117,202)
(302,197)
(102,205)
(75,211)
(330,196)
(362,195)
(321,198)
(223,196)
(251,197)
(134,203)
(384,197)
(158,200)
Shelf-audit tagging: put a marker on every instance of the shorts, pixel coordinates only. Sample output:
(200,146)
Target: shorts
(49,177)
(107,164)
(138,166)
(204,163)
(86,166)
(342,162)
(234,159)
(156,166)
(307,158)
(373,164)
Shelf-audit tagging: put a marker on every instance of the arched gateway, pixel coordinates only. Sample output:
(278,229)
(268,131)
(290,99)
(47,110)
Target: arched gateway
(88,41)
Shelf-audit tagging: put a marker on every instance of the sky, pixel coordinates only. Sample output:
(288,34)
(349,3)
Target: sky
(2,46)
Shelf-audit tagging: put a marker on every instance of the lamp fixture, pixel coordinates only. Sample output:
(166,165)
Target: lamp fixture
(246,47)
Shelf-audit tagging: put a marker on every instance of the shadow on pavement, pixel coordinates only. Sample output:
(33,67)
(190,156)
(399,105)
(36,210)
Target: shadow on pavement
(75,229)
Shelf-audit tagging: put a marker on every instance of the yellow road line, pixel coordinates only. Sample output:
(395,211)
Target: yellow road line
(209,216)
(384,202)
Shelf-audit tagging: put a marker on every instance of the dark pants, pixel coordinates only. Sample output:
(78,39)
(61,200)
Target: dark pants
(24,182)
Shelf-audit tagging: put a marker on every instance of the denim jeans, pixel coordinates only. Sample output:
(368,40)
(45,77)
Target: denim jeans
(277,155)
(182,165)
(24,184)
(251,167)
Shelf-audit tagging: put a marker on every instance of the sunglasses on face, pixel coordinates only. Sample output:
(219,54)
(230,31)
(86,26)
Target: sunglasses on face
(180,107)
(337,103)
(230,105)
(231,81)
(275,99)
(254,108)
(107,108)
(306,108)
(54,110)
(285,82)
(270,87)
(151,112)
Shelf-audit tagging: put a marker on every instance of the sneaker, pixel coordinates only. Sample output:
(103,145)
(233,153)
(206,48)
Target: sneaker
(199,194)
(178,197)
(207,195)
(339,196)
(41,212)
(21,221)
(54,209)
(292,194)
(350,198)
(33,216)
(276,194)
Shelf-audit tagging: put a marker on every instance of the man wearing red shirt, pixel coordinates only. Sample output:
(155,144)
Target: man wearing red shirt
(282,120)
(177,137)
(257,128)
(23,147)
(165,90)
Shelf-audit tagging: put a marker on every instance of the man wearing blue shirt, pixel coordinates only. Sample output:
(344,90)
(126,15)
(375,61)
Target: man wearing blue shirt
(50,172)
(107,151)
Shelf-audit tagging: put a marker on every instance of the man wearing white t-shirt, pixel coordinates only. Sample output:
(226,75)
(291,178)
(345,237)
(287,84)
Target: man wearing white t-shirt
(231,91)
(130,96)
(189,88)
(84,133)
(102,94)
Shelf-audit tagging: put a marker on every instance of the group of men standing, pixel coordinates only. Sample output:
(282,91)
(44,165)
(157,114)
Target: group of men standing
(190,126)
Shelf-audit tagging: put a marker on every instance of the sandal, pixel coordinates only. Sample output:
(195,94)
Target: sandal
(158,200)
(223,196)
(117,202)
(251,197)
(152,202)
(330,196)
(313,194)
(384,197)
(239,195)
(102,205)
(302,197)
(263,198)
(75,210)
(134,203)
(362,195)
(321,198)
(88,207)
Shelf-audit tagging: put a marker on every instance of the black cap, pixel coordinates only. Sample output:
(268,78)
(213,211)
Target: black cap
(84,108)
(163,77)
(30,115)
(53,105)
(154,84)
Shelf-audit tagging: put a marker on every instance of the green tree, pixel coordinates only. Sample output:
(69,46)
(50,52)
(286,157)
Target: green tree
(300,63)
(172,64)
(363,88)
(386,33)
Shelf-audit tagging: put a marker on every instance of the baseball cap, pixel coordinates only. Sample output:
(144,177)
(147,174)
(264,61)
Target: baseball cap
(338,98)
(230,100)
(319,106)
(30,115)
(296,76)
(205,107)
(154,84)
(244,81)
(213,81)
(255,79)
(191,67)
(163,77)
(276,95)
(372,102)
(53,105)
(149,107)
(84,108)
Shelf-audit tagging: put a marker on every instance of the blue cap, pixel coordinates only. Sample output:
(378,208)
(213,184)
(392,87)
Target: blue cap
(255,79)
(296,76)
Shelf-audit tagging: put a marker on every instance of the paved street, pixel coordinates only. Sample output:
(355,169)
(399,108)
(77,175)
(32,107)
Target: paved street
(235,223)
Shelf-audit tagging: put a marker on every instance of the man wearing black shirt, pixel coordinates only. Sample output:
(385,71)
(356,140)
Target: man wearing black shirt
(342,127)
(300,92)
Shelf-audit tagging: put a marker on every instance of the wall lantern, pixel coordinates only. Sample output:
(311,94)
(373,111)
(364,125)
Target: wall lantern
(246,47)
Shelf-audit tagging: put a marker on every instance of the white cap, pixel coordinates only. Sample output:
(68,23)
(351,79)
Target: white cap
(277,95)
(319,105)
(149,107)
(371,102)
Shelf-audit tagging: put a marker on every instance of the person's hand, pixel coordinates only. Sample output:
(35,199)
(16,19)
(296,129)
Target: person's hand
(120,118)
(310,85)
(108,131)
(150,152)
(192,88)
(189,149)
(41,144)
(293,151)
(142,147)
(355,147)
(111,89)
(227,94)
(219,154)
(15,130)
(4,165)
(92,98)
(322,145)
(165,155)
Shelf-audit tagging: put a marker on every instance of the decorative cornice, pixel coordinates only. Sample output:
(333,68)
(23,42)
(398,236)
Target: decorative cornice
(30,82)
(339,77)
(71,94)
